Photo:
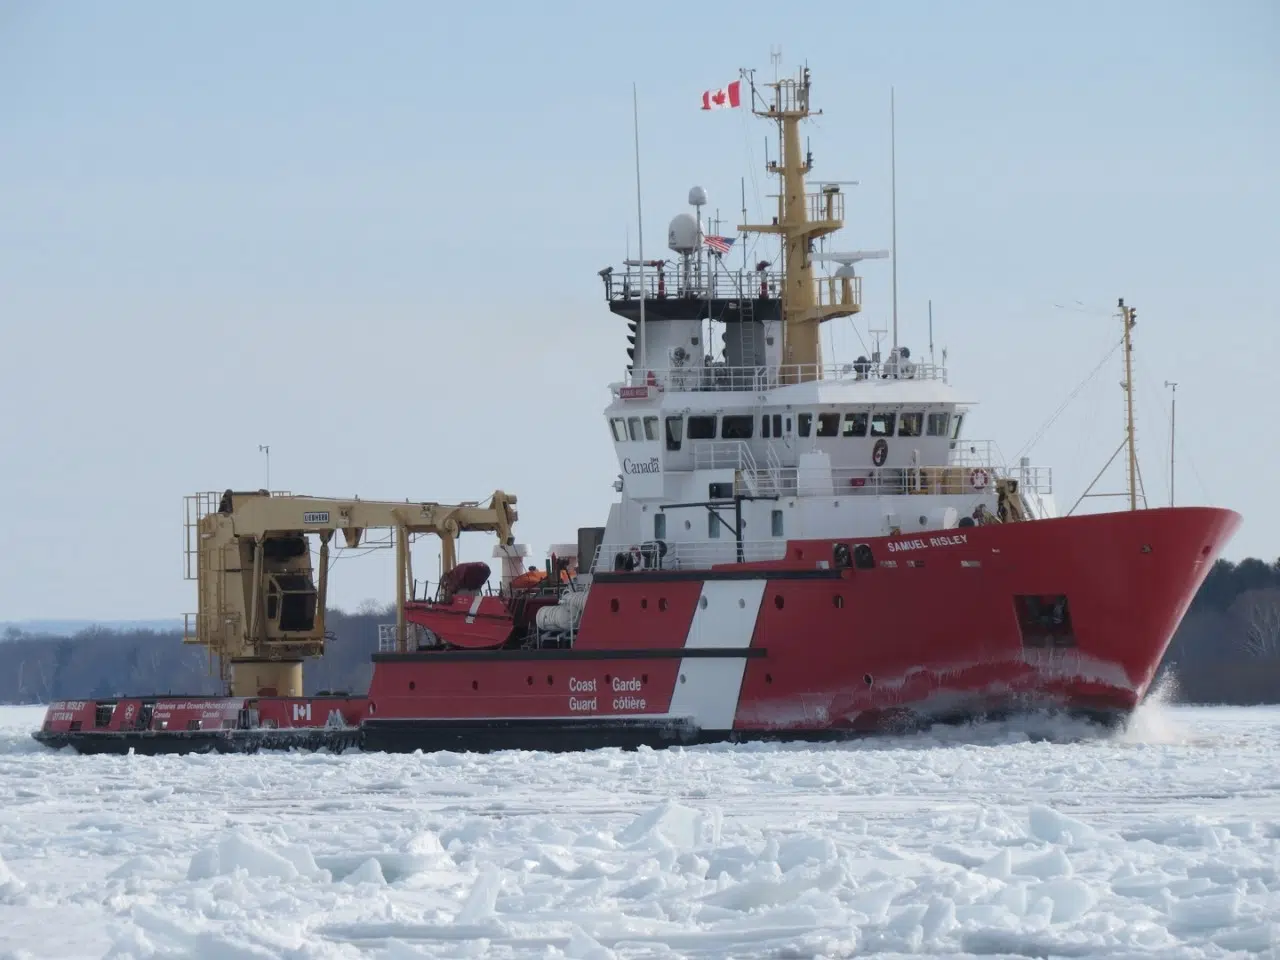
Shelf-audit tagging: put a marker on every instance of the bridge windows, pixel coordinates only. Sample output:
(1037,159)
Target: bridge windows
(702,428)
(938,424)
(805,424)
(911,424)
(956,424)
(771,425)
(738,427)
(882,424)
(675,432)
(634,428)
(828,424)
(659,526)
(855,425)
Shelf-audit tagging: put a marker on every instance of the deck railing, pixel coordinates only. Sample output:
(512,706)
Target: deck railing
(955,480)
(694,379)
(685,556)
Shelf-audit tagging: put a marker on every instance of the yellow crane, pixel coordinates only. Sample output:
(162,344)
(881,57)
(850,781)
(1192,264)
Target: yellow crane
(261,605)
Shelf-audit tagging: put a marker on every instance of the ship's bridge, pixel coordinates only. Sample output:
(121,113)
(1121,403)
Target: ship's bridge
(881,427)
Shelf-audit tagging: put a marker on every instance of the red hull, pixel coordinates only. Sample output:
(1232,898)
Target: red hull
(933,629)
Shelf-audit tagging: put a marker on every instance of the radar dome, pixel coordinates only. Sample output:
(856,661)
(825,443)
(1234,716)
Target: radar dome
(682,234)
(697,197)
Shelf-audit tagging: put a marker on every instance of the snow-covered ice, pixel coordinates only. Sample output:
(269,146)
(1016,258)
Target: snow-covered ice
(1162,841)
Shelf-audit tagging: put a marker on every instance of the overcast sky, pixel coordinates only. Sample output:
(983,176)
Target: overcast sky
(368,235)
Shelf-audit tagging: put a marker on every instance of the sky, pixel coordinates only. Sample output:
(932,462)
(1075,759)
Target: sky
(367,235)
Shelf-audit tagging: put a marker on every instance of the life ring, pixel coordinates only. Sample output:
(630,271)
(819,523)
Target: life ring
(979,478)
(880,452)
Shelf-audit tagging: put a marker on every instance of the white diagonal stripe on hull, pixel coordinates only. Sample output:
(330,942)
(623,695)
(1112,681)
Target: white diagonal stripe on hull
(707,688)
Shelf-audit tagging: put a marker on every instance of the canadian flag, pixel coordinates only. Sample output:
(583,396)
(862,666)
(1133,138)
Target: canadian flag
(729,96)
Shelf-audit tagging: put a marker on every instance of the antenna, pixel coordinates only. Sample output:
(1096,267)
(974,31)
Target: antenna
(266,448)
(931,333)
(635,119)
(1173,426)
(893,194)
(775,57)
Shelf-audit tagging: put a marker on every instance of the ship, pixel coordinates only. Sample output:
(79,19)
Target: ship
(798,550)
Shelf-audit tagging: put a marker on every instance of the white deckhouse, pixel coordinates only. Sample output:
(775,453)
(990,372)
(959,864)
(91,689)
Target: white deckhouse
(734,437)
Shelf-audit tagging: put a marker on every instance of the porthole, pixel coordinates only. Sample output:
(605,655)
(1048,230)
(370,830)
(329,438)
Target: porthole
(778,601)
(549,680)
(529,680)
(768,678)
(867,679)
(837,601)
(412,685)
(702,602)
(662,603)
(644,603)
(613,604)
(475,684)
(741,603)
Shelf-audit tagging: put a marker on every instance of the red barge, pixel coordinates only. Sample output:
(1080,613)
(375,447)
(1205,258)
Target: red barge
(798,551)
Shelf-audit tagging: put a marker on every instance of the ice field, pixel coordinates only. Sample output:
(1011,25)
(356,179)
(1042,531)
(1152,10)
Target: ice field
(1159,842)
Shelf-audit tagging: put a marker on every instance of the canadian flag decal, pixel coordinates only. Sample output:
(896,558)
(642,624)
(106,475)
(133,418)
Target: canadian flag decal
(730,96)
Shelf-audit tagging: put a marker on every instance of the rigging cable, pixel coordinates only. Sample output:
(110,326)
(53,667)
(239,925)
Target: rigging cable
(1066,403)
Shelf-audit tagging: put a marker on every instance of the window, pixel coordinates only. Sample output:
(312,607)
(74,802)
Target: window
(633,427)
(675,432)
(737,427)
(938,423)
(882,424)
(855,425)
(764,425)
(911,425)
(771,424)
(619,429)
(713,525)
(805,423)
(659,526)
(702,428)
(828,424)
(955,429)
(651,428)
(777,424)
(777,523)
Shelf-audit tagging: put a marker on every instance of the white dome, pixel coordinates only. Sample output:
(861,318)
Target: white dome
(697,197)
(683,233)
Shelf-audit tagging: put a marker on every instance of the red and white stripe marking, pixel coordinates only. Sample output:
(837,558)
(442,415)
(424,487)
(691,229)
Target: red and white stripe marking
(707,688)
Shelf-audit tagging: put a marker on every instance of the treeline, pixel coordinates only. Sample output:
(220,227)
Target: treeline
(112,663)
(1227,650)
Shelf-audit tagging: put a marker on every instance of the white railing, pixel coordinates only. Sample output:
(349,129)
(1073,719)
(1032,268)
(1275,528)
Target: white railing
(684,556)
(717,377)
(953,480)
(722,455)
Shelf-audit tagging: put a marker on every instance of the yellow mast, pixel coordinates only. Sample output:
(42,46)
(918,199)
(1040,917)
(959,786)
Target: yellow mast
(802,219)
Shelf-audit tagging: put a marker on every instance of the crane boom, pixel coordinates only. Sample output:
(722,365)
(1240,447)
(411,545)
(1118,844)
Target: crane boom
(261,605)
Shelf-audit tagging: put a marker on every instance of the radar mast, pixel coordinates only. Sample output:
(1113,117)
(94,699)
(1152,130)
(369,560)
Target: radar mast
(802,219)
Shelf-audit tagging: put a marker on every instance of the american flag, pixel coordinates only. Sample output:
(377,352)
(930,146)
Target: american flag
(719,244)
